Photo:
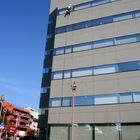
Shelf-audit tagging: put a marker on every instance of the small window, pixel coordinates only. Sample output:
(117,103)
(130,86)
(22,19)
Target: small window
(44,89)
(62,11)
(56,102)
(46,70)
(69,28)
(137,13)
(49,36)
(59,51)
(57,75)
(103,43)
(82,72)
(105,99)
(82,6)
(126,98)
(66,101)
(60,30)
(105,69)
(95,3)
(68,49)
(83,100)
(106,20)
(123,16)
(82,47)
(67,74)
(126,39)
(50,21)
(129,66)
(137,97)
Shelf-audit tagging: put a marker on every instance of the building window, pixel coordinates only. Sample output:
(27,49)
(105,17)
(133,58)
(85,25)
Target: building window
(59,51)
(82,47)
(123,16)
(57,75)
(67,74)
(49,36)
(136,97)
(66,101)
(83,100)
(103,43)
(82,6)
(82,72)
(105,69)
(59,133)
(68,49)
(137,14)
(126,98)
(106,132)
(106,99)
(129,66)
(83,132)
(130,132)
(127,39)
(44,89)
(46,70)
(56,102)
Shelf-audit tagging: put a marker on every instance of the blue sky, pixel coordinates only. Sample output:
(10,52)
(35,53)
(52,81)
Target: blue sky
(23,28)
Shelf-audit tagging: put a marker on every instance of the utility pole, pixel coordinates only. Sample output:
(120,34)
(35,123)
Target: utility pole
(73,87)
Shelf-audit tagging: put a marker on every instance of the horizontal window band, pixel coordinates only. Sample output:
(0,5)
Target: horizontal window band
(110,42)
(86,5)
(92,100)
(97,70)
(98,22)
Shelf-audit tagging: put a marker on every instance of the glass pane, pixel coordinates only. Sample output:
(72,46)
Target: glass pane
(95,3)
(82,72)
(84,100)
(128,39)
(82,47)
(57,75)
(125,98)
(137,97)
(106,133)
(60,30)
(131,132)
(66,101)
(56,102)
(82,6)
(83,132)
(62,11)
(137,14)
(59,133)
(49,36)
(44,90)
(59,51)
(103,43)
(123,17)
(68,49)
(45,70)
(106,99)
(67,74)
(128,66)
(104,69)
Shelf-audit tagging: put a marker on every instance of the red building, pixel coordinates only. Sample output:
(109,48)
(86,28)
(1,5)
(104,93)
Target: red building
(18,119)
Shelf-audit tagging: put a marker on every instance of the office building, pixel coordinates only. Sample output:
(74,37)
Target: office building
(98,47)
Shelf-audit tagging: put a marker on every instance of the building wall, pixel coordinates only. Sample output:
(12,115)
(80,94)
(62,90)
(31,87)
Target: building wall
(97,117)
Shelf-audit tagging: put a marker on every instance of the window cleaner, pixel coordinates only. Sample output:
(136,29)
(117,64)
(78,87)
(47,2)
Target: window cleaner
(68,10)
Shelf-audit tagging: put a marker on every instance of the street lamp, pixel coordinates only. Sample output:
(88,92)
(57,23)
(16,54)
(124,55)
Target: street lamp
(73,87)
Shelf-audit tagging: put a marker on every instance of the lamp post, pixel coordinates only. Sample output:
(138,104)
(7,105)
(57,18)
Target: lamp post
(73,87)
